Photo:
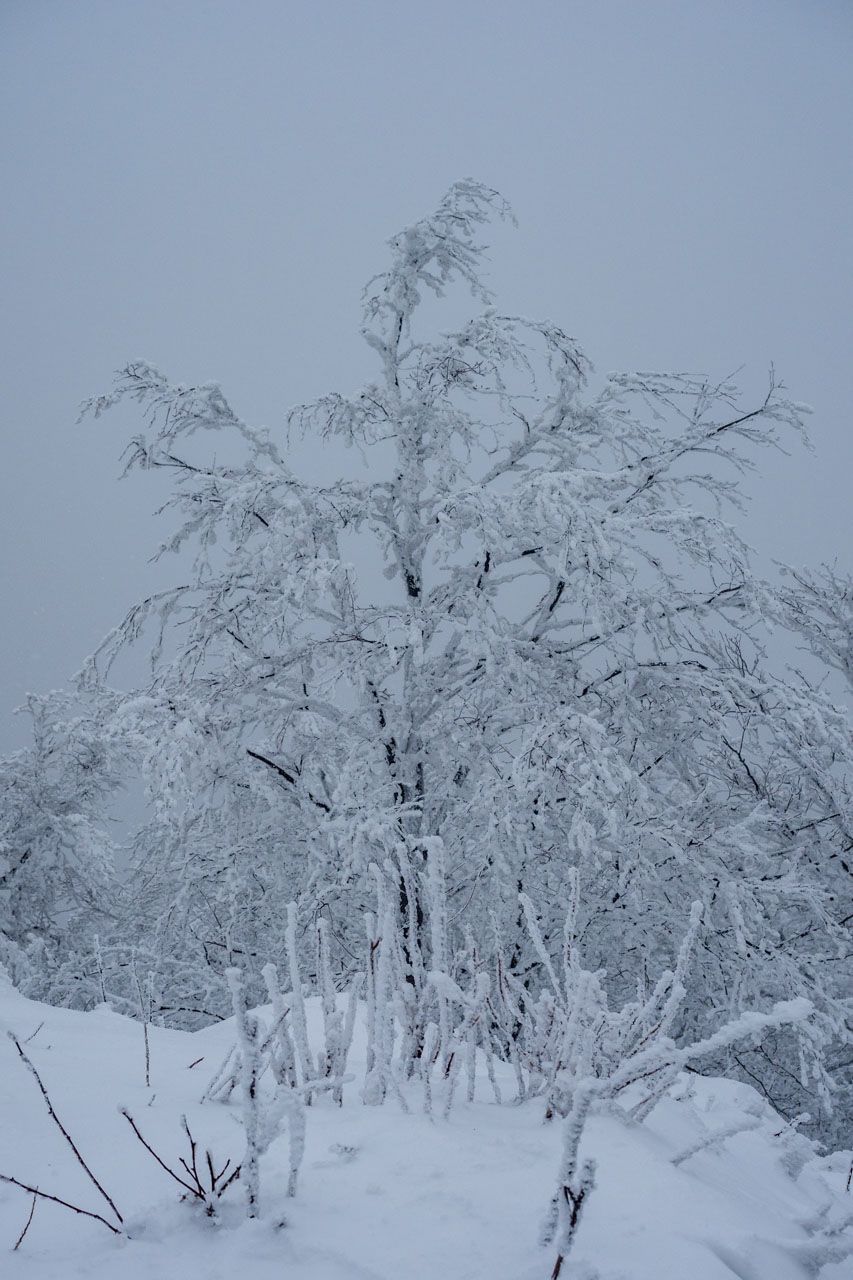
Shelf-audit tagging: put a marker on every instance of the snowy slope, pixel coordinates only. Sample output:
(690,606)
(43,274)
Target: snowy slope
(385,1195)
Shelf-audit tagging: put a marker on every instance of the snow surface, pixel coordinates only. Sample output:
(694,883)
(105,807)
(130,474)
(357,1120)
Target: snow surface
(385,1195)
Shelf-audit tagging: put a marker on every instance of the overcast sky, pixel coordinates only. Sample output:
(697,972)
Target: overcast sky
(208,184)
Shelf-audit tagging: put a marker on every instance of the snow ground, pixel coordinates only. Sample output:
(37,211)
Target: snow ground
(385,1195)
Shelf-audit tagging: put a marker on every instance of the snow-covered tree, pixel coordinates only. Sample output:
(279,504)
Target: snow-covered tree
(560,676)
(57,876)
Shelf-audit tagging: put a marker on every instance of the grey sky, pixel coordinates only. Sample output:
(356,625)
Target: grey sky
(208,185)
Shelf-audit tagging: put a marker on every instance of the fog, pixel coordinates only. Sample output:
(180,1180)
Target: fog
(209,185)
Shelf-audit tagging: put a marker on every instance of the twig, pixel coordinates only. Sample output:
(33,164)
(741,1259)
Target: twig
(144,1013)
(171,1172)
(43,1195)
(198,1190)
(66,1135)
(232,1177)
(27,1224)
(147,1057)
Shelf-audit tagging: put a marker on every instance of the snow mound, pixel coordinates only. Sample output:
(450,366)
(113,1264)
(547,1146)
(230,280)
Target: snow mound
(713,1185)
